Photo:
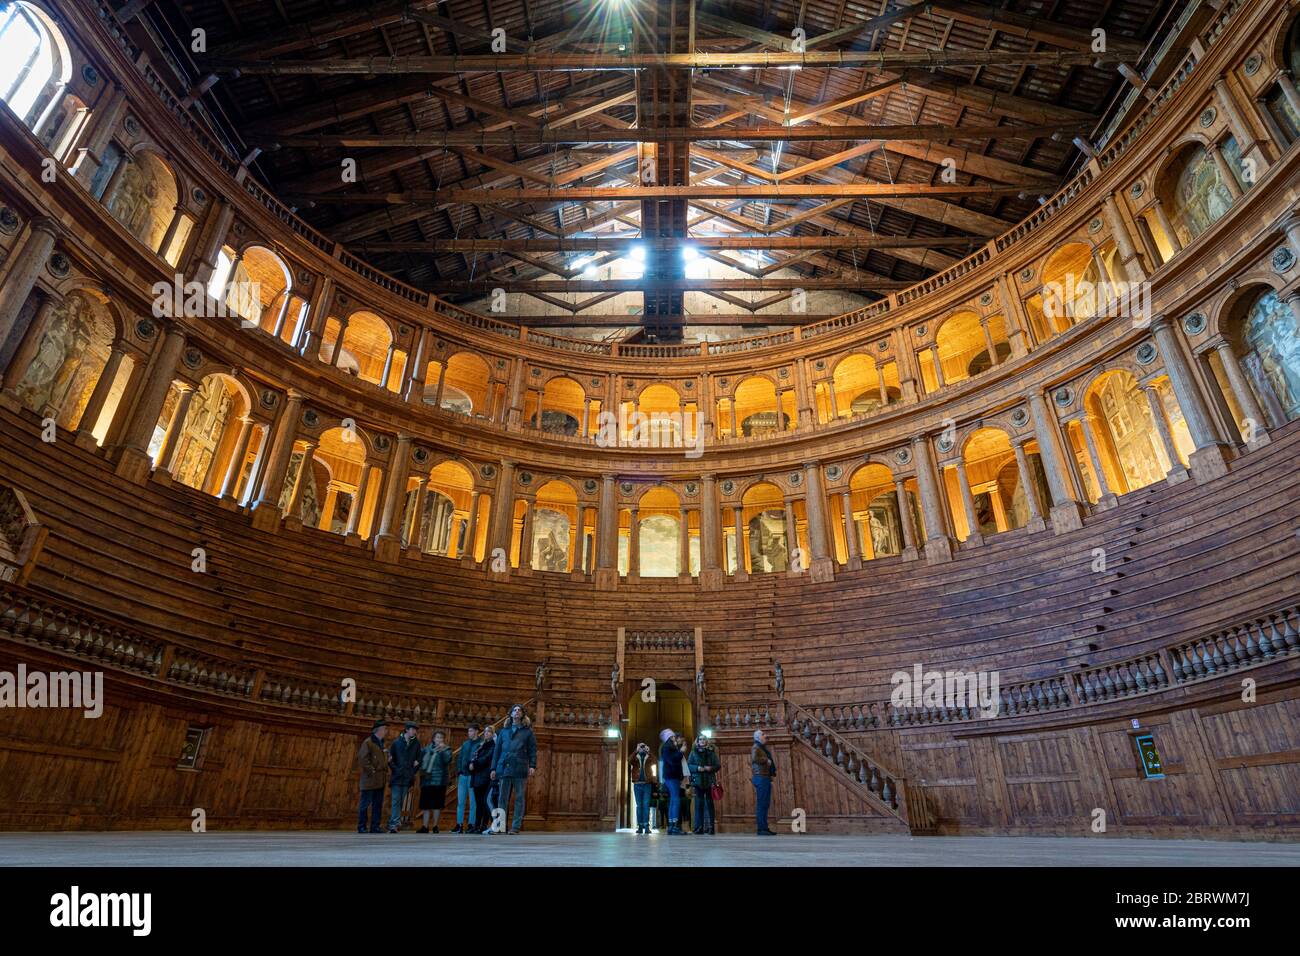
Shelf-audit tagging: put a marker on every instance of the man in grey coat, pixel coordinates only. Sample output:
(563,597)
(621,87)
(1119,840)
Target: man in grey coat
(515,762)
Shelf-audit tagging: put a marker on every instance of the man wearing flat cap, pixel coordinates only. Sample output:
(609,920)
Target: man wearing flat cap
(404,758)
(373,764)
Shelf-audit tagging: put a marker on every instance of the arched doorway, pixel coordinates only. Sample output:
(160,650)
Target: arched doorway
(669,707)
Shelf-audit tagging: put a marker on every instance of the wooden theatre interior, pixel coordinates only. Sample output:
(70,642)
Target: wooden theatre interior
(413,359)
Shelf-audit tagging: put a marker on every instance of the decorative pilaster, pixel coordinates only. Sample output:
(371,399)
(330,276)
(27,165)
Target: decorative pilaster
(1210,459)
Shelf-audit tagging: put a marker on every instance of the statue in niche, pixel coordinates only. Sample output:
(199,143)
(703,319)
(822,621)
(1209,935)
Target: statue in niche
(138,200)
(72,352)
(550,541)
(342,511)
(1272,335)
(539,676)
(1200,197)
(779,679)
(767,544)
(309,509)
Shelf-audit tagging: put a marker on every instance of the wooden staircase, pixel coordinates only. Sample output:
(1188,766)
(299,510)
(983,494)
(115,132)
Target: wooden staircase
(881,787)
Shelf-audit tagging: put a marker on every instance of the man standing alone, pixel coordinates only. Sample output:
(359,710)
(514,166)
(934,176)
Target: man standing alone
(764,768)
(641,782)
(373,764)
(515,762)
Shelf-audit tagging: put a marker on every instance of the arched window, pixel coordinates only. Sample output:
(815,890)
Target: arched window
(33,64)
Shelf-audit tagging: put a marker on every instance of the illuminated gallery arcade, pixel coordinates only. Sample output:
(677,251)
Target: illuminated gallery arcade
(358,363)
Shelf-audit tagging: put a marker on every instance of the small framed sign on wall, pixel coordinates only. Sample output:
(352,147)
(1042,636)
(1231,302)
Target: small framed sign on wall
(192,749)
(1148,756)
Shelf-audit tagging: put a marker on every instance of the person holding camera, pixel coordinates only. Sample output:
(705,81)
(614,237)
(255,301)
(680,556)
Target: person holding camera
(642,779)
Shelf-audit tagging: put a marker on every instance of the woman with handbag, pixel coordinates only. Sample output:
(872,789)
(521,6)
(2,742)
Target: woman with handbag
(704,765)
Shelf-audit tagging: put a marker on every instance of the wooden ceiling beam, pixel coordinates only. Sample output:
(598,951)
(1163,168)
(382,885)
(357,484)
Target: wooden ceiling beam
(1024,26)
(858,190)
(618,321)
(878,60)
(859,283)
(624,244)
(668,134)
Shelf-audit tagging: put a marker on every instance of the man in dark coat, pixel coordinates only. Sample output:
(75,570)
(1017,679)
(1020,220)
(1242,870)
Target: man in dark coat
(373,764)
(404,758)
(514,763)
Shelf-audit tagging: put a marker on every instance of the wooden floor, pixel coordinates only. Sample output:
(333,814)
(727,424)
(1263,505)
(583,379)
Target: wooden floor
(618,849)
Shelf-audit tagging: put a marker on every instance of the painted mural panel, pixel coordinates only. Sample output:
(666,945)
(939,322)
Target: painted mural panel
(550,540)
(767,546)
(659,546)
(72,352)
(1200,197)
(1273,361)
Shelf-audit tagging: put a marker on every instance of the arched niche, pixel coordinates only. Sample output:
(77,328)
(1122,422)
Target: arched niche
(1193,191)
(561,407)
(1133,454)
(209,433)
(554,524)
(343,453)
(659,534)
(71,353)
(144,198)
(1265,335)
(874,512)
(444,526)
(368,347)
(767,547)
(985,453)
(466,385)
(1074,289)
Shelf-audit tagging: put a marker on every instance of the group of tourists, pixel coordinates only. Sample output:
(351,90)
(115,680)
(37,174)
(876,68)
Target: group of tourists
(690,775)
(491,766)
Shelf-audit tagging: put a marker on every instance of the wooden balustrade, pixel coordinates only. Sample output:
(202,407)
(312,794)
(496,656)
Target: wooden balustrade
(888,788)
(1253,642)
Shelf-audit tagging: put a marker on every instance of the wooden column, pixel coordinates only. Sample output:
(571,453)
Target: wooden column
(1176,472)
(386,541)
(237,458)
(28,347)
(1134,271)
(1209,460)
(266,513)
(1036,521)
(103,389)
(1241,390)
(169,453)
(607,535)
(852,547)
(938,543)
(973,534)
(359,499)
(417,520)
(905,519)
(1106,497)
(27,261)
(1067,510)
(134,463)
